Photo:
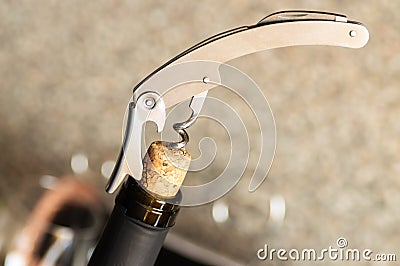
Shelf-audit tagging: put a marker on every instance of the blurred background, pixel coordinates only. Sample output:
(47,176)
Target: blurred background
(67,70)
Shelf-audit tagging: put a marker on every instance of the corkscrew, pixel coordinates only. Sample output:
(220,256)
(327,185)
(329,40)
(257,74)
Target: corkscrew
(147,207)
(195,71)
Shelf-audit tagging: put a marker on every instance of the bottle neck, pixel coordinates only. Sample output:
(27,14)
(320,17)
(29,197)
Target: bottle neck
(145,207)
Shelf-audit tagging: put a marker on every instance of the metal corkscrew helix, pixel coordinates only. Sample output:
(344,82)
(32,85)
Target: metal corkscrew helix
(196,104)
(180,129)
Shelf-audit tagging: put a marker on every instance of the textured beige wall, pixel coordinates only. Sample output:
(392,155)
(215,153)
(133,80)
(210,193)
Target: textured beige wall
(67,69)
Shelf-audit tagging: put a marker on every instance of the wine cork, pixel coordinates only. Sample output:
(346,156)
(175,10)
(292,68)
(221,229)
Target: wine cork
(164,169)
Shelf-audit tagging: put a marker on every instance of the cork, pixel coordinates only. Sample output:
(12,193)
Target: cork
(164,169)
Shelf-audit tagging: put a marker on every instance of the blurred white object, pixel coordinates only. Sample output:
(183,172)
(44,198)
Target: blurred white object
(220,212)
(79,163)
(15,259)
(106,168)
(277,209)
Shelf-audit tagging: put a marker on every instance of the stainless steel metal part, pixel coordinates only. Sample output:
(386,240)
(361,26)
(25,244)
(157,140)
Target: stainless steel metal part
(302,15)
(149,107)
(163,88)
(196,103)
(296,29)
